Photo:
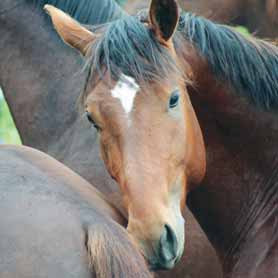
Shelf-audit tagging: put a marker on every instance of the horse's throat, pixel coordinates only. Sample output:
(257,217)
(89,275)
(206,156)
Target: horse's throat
(237,204)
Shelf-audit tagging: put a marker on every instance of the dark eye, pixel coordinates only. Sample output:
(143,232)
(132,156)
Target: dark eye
(174,99)
(90,119)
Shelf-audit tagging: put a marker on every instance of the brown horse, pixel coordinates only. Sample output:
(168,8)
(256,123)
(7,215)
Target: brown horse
(234,92)
(150,139)
(238,204)
(47,83)
(55,224)
(259,16)
(235,97)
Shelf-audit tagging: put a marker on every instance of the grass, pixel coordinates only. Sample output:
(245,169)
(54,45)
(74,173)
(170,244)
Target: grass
(8,131)
(243,30)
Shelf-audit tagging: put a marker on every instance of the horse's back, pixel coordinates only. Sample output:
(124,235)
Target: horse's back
(37,223)
(46,219)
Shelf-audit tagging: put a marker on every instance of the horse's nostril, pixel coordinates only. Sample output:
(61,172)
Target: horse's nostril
(168,245)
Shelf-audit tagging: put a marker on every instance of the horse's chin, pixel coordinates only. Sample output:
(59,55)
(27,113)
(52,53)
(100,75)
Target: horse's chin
(165,266)
(160,266)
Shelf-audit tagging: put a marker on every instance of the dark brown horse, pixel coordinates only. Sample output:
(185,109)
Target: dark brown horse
(48,82)
(235,97)
(55,224)
(235,94)
(259,16)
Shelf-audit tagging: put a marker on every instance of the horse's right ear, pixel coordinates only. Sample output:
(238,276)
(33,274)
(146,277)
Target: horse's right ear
(72,32)
(164,17)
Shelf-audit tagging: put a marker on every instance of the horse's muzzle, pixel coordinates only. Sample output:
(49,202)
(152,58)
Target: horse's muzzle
(168,254)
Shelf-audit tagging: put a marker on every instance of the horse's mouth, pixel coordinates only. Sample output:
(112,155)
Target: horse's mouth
(165,265)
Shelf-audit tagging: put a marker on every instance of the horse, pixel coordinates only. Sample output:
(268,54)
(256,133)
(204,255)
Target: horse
(39,92)
(127,99)
(55,224)
(232,81)
(259,17)
(234,93)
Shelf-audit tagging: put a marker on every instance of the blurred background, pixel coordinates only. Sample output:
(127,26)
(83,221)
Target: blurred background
(8,132)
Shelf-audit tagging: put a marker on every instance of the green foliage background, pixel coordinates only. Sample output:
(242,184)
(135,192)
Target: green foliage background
(8,132)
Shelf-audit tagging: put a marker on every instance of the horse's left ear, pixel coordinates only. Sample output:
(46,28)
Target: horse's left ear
(71,31)
(164,17)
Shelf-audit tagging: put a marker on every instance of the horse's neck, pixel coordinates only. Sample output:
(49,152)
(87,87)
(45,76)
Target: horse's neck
(239,195)
(41,82)
(37,75)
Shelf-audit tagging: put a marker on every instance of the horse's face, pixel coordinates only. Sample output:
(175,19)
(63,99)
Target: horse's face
(145,142)
(151,144)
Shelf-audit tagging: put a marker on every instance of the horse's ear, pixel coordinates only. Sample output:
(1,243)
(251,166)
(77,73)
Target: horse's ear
(72,32)
(164,17)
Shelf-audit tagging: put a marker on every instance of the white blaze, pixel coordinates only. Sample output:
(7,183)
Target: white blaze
(125,90)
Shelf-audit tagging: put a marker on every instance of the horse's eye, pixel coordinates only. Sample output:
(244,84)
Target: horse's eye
(91,120)
(174,99)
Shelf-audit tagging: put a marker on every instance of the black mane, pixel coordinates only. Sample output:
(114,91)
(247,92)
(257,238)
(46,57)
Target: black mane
(250,66)
(85,11)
